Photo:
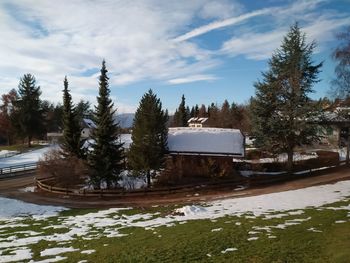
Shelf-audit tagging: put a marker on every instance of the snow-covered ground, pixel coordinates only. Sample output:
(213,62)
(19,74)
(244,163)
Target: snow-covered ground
(281,158)
(25,158)
(7,153)
(14,208)
(110,222)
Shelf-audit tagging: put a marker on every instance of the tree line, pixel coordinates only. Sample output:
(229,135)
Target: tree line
(226,115)
(277,116)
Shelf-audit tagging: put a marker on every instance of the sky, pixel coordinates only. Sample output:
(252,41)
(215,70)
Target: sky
(207,50)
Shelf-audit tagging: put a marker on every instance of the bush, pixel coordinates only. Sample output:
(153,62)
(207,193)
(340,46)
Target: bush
(67,172)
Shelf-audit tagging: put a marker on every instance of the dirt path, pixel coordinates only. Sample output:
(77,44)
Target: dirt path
(12,188)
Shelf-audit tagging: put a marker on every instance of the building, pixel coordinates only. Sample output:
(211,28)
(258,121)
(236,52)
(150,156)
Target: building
(199,153)
(197,122)
(88,125)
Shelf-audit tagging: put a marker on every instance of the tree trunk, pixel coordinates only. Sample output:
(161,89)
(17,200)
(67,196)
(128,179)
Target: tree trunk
(29,141)
(290,160)
(347,148)
(148,178)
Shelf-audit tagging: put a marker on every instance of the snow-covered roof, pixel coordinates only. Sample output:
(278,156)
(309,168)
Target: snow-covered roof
(89,123)
(197,119)
(211,141)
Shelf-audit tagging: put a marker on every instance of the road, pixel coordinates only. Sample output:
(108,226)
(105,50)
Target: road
(13,188)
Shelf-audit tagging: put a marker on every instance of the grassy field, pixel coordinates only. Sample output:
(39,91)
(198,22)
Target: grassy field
(312,235)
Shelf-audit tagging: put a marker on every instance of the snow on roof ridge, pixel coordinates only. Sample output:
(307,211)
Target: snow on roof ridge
(203,129)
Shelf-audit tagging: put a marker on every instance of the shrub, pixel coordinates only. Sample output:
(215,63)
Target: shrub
(67,172)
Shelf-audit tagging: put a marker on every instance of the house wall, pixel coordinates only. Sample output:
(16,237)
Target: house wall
(85,133)
(186,168)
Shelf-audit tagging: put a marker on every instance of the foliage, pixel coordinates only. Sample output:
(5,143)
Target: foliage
(68,172)
(71,143)
(83,110)
(341,85)
(28,118)
(181,115)
(6,110)
(149,136)
(106,157)
(281,108)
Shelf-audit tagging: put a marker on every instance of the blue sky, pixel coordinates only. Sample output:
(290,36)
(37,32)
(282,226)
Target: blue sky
(207,50)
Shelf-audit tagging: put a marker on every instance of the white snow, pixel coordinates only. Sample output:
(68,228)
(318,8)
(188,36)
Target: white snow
(281,158)
(25,158)
(7,153)
(88,252)
(29,189)
(191,210)
(56,250)
(49,260)
(206,140)
(13,208)
(230,249)
(110,222)
(17,255)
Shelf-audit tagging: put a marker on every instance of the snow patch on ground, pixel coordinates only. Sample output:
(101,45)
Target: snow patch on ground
(13,208)
(17,255)
(56,251)
(26,158)
(281,158)
(191,210)
(230,249)
(28,189)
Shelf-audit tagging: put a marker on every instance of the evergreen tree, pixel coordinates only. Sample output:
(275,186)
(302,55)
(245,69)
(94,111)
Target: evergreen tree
(83,110)
(106,157)
(181,115)
(282,107)
(202,112)
(71,144)
(192,113)
(28,118)
(149,137)
(225,116)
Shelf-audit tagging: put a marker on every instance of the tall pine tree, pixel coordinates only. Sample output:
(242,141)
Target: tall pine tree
(181,115)
(106,157)
(71,144)
(28,118)
(149,137)
(282,105)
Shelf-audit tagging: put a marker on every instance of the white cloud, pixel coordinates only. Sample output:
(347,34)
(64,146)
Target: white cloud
(220,24)
(134,37)
(193,78)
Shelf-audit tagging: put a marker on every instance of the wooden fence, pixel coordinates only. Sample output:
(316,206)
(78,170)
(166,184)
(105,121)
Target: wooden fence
(251,181)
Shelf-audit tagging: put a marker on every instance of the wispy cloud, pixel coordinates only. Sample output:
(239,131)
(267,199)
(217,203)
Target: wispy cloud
(220,24)
(193,78)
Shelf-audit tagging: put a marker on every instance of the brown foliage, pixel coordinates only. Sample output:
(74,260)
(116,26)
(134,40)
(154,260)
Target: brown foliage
(67,172)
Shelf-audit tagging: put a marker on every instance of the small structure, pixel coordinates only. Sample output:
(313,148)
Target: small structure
(197,122)
(202,153)
(88,125)
(206,141)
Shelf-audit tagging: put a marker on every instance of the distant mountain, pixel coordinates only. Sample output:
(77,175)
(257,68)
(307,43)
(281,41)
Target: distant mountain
(125,119)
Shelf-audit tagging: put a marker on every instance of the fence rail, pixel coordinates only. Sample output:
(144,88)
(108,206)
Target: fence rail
(254,180)
(15,169)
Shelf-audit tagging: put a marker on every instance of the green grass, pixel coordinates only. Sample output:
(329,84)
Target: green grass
(194,240)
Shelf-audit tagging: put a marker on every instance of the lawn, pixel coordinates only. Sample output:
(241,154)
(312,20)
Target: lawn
(176,234)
